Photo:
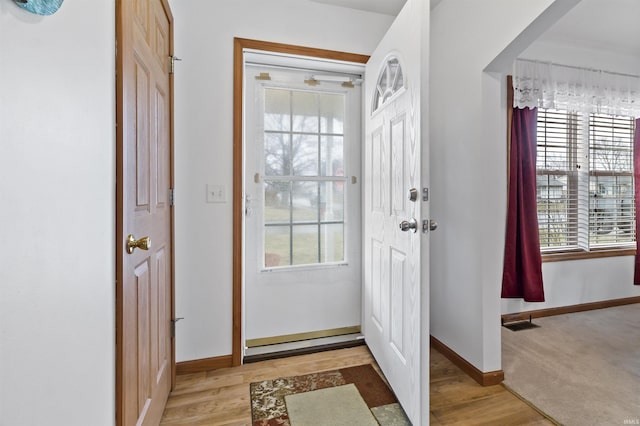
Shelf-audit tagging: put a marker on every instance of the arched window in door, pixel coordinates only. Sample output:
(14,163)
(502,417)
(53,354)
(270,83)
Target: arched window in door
(390,82)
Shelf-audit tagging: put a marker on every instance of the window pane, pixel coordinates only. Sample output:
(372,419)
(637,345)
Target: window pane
(277,110)
(305,111)
(557,212)
(305,202)
(331,113)
(611,210)
(305,155)
(611,206)
(332,243)
(331,201)
(611,143)
(558,136)
(277,246)
(276,202)
(305,244)
(332,156)
(277,156)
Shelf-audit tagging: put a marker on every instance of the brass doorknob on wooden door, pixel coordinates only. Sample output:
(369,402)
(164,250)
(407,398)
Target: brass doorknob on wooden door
(143,243)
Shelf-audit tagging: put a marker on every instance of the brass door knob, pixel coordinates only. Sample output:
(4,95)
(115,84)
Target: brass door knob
(143,243)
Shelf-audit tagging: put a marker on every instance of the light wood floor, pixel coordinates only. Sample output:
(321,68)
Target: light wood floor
(221,397)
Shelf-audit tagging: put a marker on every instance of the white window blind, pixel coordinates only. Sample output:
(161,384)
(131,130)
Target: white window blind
(611,207)
(585,193)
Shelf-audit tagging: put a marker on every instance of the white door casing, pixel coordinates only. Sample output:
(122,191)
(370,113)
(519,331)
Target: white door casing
(395,280)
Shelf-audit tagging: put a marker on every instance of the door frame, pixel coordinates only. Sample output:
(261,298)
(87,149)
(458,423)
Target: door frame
(239,44)
(120,213)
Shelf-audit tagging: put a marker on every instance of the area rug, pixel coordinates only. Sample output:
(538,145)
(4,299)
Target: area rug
(348,396)
(579,369)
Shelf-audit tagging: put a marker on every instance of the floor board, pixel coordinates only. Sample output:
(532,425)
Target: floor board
(221,397)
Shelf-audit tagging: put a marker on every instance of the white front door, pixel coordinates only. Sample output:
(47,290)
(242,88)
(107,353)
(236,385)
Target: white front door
(396,281)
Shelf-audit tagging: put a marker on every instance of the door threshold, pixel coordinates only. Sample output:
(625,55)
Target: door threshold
(282,350)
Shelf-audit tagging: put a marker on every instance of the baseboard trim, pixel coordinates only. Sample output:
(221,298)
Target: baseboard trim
(485,379)
(205,364)
(539,313)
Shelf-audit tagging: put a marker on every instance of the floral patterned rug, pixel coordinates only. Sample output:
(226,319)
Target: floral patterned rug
(269,406)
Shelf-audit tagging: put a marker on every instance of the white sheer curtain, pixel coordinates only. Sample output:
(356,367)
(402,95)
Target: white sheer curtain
(545,85)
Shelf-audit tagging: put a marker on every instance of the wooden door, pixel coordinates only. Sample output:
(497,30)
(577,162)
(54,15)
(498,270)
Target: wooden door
(144,175)
(395,279)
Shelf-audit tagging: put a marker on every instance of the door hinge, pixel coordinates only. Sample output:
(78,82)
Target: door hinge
(171,199)
(172,63)
(173,326)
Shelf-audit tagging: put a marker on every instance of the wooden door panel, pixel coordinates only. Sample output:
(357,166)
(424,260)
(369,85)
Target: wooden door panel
(145,359)
(161,353)
(161,44)
(161,148)
(142,152)
(142,275)
(141,11)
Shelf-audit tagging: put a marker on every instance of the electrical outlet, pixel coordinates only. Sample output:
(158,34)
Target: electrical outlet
(216,194)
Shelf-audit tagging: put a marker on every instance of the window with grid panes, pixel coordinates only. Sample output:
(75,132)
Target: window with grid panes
(304,197)
(585,193)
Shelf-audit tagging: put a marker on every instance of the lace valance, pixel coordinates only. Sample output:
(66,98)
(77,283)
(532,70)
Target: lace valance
(545,85)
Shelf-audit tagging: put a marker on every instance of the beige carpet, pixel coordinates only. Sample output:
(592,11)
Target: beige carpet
(580,369)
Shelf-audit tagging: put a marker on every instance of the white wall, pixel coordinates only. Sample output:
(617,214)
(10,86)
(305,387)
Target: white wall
(57,170)
(468,172)
(204,32)
(589,280)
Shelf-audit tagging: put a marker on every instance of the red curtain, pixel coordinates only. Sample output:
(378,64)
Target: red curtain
(522,271)
(636,183)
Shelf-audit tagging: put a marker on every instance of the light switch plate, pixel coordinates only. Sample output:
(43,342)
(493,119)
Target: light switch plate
(216,194)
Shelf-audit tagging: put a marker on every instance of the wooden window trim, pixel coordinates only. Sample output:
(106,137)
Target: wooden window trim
(580,254)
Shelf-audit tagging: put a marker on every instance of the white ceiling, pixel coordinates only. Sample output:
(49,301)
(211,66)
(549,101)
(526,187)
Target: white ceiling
(387,7)
(601,24)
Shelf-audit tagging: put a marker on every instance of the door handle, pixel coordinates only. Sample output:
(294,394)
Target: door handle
(405,225)
(143,243)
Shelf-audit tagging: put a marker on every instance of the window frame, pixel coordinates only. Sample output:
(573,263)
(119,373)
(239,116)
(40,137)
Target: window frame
(592,250)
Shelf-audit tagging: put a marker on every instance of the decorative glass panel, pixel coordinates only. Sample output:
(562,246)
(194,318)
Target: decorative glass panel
(390,81)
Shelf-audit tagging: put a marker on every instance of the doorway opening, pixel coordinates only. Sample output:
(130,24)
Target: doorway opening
(295,220)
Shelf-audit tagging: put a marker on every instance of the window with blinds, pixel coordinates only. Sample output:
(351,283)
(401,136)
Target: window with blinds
(585,192)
